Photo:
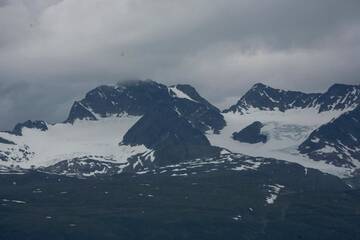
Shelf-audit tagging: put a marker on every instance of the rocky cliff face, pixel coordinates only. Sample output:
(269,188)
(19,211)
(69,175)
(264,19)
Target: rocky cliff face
(337,142)
(171,136)
(251,134)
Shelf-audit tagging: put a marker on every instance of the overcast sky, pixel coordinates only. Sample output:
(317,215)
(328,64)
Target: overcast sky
(53,51)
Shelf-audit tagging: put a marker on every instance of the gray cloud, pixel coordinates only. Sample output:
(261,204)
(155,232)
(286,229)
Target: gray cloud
(52,51)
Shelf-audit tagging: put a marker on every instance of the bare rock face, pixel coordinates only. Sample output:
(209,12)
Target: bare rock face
(171,136)
(251,134)
(41,125)
(337,142)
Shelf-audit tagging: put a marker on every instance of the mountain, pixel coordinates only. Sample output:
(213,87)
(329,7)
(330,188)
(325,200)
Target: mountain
(136,98)
(132,98)
(141,160)
(287,120)
(339,97)
(128,126)
(262,97)
(337,142)
(137,125)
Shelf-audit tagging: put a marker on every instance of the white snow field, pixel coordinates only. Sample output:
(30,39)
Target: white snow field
(63,141)
(285,132)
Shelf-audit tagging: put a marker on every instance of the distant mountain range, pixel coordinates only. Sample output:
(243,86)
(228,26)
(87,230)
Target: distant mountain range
(141,126)
(260,96)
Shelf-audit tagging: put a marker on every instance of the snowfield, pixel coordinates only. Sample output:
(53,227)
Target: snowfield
(285,132)
(63,141)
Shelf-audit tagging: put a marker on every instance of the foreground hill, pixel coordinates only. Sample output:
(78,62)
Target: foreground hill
(234,196)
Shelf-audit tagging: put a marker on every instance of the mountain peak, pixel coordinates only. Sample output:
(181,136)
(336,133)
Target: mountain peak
(340,88)
(259,86)
(135,82)
(191,94)
(139,97)
(263,97)
(340,96)
(128,97)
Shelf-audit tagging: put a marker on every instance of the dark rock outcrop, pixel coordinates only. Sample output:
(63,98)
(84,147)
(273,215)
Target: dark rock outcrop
(41,125)
(171,136)
(5,141)
(251,134)
(200,113)
(80,112)
(339,97)
(337,142)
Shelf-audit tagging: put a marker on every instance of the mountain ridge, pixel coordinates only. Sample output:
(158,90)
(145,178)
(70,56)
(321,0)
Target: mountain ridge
(140,97)
(263,97)
(144,124)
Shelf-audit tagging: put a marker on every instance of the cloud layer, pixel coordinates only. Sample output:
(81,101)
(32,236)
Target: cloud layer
(53,51)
